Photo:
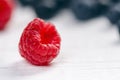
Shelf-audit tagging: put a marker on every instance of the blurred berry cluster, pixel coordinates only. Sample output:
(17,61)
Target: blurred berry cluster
(82,9)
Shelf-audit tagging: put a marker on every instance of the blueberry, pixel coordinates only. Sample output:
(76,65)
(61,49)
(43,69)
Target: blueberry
(115,1)
(109,3)
(48,8)
(87,9)
(114,14)
(118,26)
(63,3)
(27,2)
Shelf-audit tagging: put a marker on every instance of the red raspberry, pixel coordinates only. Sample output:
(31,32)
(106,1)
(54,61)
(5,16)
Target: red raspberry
(5,12)
(40,42)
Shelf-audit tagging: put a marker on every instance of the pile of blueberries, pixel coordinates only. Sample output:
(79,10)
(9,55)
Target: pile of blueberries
(83,9)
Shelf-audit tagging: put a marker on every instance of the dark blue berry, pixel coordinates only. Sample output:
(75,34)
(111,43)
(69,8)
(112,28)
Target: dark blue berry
(118,26)
(87,9)
(63,3)
(114,13)
(115,1)
(27,2)
(48,8)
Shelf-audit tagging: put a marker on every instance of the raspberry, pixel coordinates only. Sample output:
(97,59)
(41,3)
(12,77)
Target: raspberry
(5,12)
(40,42)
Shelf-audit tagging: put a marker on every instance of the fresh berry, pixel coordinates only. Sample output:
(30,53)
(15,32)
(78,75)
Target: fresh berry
(5,12)
(62,3)
(114,1)
(27,2)
(40,42)
(48,8)
(118,27)
(109,2)
(114,13)
(87,9)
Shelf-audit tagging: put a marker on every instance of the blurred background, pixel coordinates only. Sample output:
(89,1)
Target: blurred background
(90,39)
